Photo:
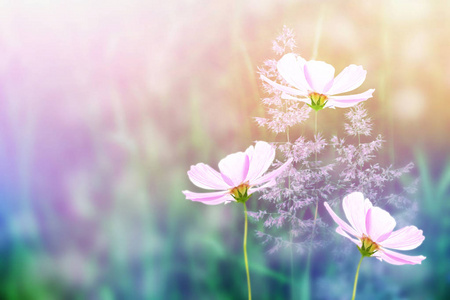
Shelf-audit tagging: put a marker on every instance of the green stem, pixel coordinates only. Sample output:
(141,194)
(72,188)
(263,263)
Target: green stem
(290,233)
(292,265)
(315,161)
(306,279)
(245,255)
(359,151)
(356,278)
(315,130)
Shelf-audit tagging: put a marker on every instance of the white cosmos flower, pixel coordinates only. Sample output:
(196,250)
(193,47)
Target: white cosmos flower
(372,230)
(313,82)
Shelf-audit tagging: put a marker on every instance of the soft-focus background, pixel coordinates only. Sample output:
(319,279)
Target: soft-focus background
(104,105)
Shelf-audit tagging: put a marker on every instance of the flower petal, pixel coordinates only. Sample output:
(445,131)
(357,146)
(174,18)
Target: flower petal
(283,88)
(261,157)
(396,258)
(319,75)
(209,198)
(289,97)
(290,67)
(407,238)
(379,224)
(264,186)
(234,168)
(343,233)
(206,177)
(349,100)
(340,222)
(349,79)
(272,175)
(355,209)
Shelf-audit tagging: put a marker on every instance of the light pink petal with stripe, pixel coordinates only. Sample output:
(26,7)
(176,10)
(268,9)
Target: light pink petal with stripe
(349,79)
(379,224)
(206,177)
(341,223)
(343,233)
(407,238)
(264,186)
(396,258)
(289,97)
(209,198)
(333,104)
(234,168)
(355,209)
(283,88)
(261,157)
(271,175)
(319,76)
(290,67)
(349,100)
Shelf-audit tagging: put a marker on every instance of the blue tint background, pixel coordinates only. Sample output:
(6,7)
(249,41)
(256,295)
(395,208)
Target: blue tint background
(104,106)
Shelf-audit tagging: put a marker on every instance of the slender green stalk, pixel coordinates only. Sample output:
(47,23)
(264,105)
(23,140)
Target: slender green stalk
(359,150)
(291,237)
(308,261)
(245,255)
(291,250)
(315,160)
(315,130)
(292,265)
(356,278)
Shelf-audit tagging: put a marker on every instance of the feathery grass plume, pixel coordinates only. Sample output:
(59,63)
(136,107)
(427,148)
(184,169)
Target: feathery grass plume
(282,113)
(304,181)
(355,166)
(290,203)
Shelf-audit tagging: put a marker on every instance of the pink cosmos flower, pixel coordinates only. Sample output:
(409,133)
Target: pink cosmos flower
(241,174)
(313,82)
(371,228)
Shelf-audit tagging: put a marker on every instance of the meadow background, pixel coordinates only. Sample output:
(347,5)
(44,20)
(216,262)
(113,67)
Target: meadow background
(104,105)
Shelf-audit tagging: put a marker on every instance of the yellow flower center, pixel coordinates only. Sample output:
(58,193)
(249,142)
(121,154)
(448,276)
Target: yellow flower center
(368,247)
(318,101)
(240,192)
